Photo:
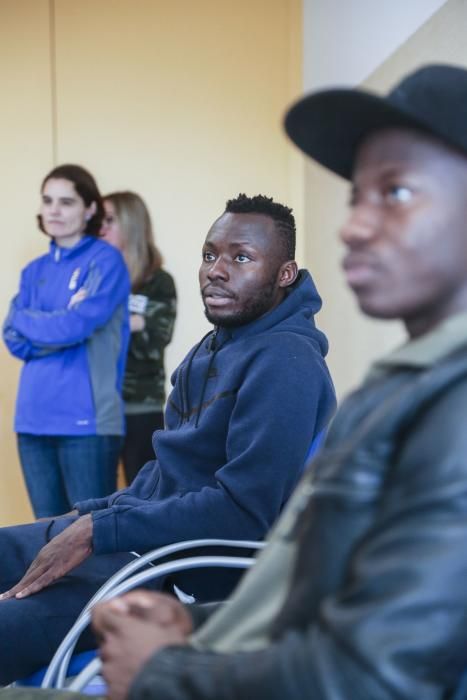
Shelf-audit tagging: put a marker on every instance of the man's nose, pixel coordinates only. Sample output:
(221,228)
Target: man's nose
(218,270)
(361,225)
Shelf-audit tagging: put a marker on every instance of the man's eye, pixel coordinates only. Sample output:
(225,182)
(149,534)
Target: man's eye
(208,257)
(241,258)
(399,193)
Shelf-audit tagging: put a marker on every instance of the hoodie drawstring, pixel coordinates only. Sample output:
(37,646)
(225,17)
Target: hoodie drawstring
(185,393)
(206,377)
(184,377)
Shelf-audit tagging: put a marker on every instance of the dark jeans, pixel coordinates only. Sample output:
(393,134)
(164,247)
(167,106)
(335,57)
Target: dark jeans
(61,470)
(137,448)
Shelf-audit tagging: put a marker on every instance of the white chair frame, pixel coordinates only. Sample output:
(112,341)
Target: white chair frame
(126,579)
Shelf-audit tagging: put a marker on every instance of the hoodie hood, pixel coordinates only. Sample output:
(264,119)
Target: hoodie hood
(301,303)
(294,315)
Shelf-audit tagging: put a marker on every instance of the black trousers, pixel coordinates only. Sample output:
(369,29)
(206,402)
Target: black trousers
(137,448)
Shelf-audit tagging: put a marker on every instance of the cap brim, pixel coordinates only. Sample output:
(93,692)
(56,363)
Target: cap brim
(330,124)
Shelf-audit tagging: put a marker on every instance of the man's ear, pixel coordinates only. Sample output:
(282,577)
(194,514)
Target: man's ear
(288,273)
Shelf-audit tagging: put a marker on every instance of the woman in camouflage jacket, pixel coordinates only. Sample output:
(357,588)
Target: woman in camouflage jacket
(152,306)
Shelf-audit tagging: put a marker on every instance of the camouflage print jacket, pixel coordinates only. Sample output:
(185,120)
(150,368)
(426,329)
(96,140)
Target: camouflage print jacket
(144,383)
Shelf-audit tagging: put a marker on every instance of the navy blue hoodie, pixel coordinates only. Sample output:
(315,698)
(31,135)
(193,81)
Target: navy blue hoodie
(245,406)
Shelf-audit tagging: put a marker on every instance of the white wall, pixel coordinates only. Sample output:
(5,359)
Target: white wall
(347,43)
(345,40)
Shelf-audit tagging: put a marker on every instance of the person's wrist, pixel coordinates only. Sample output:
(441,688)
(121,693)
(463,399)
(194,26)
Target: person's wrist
(85,526)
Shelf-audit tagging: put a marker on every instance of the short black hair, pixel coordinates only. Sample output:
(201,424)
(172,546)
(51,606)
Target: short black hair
(279,213)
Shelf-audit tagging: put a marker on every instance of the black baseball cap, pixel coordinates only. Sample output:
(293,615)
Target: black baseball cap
(329,125)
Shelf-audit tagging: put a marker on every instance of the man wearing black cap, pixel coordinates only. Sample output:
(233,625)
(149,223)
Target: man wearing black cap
(361,593)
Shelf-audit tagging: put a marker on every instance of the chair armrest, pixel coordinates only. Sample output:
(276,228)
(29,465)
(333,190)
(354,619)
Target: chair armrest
(56,673)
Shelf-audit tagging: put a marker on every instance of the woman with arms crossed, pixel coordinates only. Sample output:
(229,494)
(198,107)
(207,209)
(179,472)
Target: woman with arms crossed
(69,324)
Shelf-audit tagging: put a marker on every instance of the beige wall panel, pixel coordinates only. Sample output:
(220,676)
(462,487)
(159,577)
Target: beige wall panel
(181,102)
(356,340)
(26,148)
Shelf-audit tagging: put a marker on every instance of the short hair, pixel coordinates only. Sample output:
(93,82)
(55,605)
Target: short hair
(85,185)
(140,251)
(281,215)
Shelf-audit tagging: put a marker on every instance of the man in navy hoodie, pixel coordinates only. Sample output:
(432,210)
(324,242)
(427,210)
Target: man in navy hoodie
(247,402)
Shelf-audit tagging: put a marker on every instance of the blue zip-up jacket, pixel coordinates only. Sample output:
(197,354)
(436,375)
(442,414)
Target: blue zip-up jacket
(245,405)
(71,381)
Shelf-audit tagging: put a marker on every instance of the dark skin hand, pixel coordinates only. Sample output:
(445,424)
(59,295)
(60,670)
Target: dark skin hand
(131,629)
(62,554)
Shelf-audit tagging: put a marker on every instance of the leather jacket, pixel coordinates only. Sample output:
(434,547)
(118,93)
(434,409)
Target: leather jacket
(377,607)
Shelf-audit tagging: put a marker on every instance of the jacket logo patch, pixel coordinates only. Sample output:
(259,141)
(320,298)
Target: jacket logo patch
(74,279)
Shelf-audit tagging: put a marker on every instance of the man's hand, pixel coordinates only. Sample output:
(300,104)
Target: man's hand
(57,558)
(131,629)
(159,608)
